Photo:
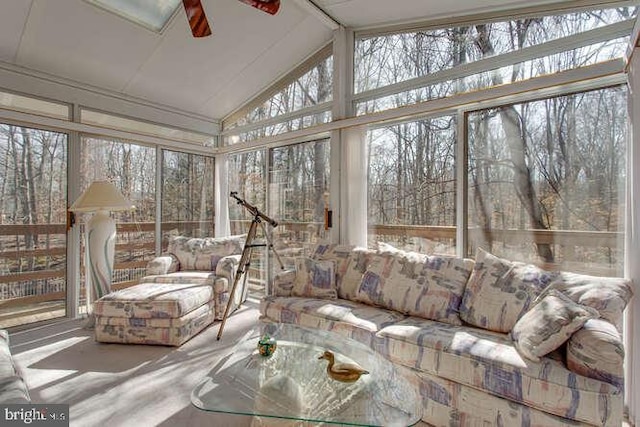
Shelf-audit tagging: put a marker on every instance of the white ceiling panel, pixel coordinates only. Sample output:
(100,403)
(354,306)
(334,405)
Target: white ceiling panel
(12,20)
(75,40)
(305,38)
(187,72)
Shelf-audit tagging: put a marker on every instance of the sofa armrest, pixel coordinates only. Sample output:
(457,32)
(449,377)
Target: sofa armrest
(597,351)
(283,283)
(163,264)
(13,388)
(227,267)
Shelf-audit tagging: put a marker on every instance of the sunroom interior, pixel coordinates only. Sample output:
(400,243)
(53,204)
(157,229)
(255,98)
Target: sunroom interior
(433,126)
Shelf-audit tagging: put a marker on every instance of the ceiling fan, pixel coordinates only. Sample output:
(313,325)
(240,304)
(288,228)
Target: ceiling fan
(198,20)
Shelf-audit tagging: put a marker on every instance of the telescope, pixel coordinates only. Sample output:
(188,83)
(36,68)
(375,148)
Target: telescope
(245,259)
(254,211)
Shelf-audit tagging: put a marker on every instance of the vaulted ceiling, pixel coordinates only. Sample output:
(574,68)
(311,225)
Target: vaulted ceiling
(212,76)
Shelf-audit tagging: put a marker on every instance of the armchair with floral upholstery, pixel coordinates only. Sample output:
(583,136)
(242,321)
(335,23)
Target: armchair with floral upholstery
(208,261)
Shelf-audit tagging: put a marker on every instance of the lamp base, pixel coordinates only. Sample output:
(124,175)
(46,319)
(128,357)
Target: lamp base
(101,235)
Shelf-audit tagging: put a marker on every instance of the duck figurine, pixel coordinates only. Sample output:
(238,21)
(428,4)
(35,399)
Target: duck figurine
(344,372)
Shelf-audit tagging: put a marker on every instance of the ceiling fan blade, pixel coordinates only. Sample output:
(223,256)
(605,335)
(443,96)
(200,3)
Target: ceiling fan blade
(197,18)
(269,6)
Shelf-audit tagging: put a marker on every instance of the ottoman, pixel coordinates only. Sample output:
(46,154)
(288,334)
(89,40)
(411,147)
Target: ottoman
(154,313)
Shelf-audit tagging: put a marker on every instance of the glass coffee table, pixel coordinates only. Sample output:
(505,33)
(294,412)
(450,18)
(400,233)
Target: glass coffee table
(293,382)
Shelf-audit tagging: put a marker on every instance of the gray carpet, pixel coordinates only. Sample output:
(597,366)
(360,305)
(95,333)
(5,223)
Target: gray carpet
(125,385)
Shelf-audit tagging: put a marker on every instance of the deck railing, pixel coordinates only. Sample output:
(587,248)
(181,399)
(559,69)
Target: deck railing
(37,275)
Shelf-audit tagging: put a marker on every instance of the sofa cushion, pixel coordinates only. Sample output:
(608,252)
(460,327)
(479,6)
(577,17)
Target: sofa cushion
(500,291)
(350,318)
(548,324)
(608,295)
(204,253)
(157,322)
(314,279)
(386,275)
(179,277)
(596,351)
(489,361)
(416,284)
(154,300)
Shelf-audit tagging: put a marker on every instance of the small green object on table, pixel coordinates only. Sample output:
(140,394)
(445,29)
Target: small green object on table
(266,345)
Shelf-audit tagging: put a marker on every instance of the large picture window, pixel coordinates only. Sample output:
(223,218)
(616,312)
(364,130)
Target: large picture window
(546,181)
(394,70)
(33,241)
(187,194)
(411,184)
(299,196)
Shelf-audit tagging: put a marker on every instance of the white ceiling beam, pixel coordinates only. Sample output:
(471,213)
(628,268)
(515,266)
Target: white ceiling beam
(319,13)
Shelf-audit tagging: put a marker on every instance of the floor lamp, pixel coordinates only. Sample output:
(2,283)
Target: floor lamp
(100,198)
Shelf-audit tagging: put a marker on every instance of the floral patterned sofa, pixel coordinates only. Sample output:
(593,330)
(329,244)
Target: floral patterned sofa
(185,290)
(487,342)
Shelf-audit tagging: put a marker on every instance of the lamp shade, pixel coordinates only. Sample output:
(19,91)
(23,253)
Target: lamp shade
(101,196)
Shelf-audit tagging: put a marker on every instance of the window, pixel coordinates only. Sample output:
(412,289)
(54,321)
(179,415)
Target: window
(411,184)
(144,128)
(546,181)
(153,15)
(299,196)
(187,194)
(33,241)
(300,100)
(27,104)
(406,68)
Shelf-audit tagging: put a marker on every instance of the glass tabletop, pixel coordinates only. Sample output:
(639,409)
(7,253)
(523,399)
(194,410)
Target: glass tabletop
(293,383)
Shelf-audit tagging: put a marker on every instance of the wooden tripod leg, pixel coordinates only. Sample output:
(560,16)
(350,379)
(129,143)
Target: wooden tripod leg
(245,259)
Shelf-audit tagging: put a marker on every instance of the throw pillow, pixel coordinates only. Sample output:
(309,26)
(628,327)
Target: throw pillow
(339,254)
(500,291)
(549,323)
(163,264)
(416,284)
(207,262)
(283,283)
(596,351)
(608,295)
(314,279)
(358,263)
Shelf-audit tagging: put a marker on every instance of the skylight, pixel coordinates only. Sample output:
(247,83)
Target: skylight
(152,14)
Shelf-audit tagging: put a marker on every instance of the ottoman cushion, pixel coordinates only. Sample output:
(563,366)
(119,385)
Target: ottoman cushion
(154,300)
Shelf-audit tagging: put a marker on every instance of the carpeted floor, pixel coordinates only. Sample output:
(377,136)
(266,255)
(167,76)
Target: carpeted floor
(118,385)
(125,385)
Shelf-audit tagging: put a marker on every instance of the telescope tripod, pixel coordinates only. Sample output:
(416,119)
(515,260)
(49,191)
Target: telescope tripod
(245,261)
